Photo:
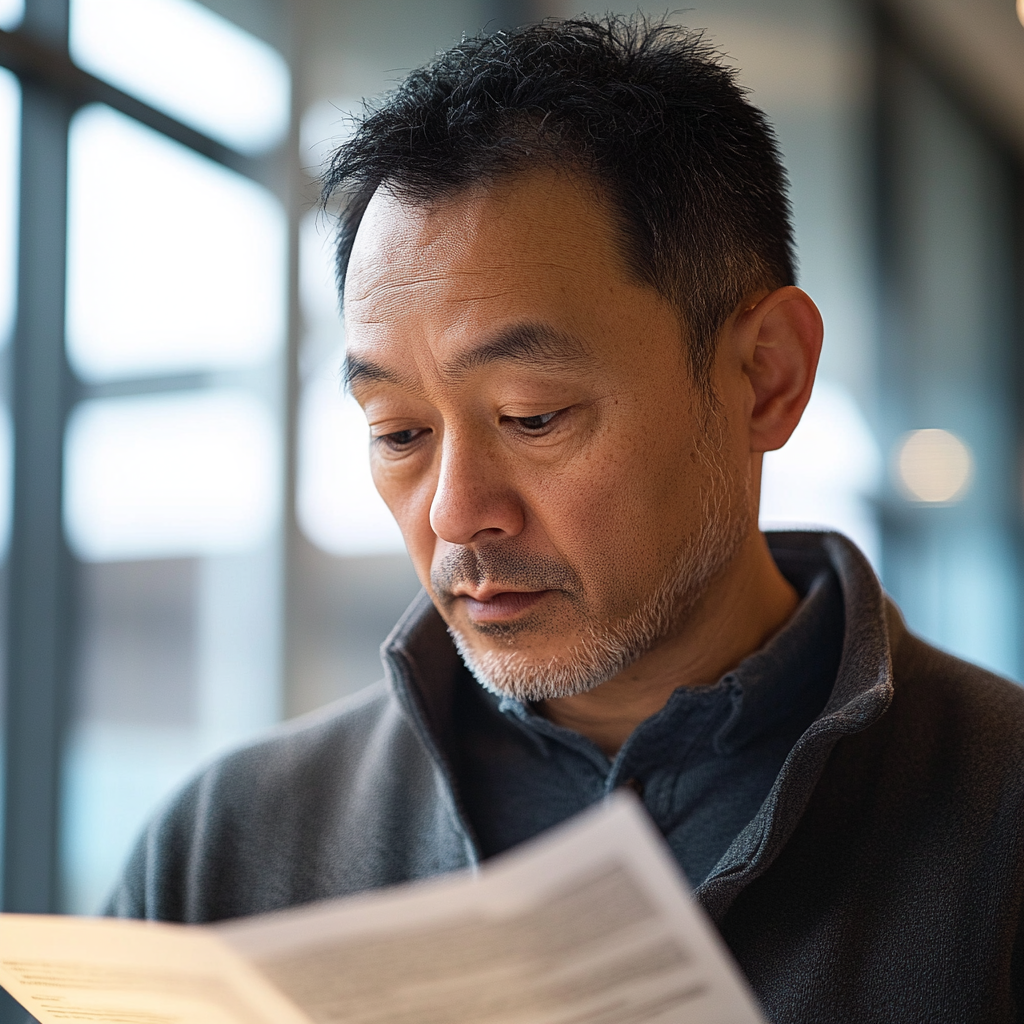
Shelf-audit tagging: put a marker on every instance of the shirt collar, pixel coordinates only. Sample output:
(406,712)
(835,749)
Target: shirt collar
(423,666)
(791,674)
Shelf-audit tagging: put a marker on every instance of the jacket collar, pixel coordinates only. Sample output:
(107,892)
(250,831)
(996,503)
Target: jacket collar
(862,693)
(423,666)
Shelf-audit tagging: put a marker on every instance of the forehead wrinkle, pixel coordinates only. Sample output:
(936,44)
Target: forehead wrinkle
(534,344)
(380,285)
(411,257)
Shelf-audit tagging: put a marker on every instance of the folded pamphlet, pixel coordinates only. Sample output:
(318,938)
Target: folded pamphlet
(591,923)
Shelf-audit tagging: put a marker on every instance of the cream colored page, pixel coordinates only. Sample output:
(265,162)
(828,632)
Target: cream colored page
(590,925)
(131,972)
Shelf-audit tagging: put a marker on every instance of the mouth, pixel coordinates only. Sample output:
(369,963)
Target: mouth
(501,606)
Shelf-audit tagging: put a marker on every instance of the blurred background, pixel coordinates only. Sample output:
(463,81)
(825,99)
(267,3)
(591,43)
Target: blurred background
(192,548)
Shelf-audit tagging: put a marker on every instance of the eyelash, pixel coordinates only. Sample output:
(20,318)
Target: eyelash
(529,424)
(523,422)
(392,440)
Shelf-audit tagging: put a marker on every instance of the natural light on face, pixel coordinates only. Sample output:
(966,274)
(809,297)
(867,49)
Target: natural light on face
(182,58)
(175,264)
(825,477)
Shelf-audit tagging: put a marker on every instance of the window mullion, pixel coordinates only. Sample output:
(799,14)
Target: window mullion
(40,570)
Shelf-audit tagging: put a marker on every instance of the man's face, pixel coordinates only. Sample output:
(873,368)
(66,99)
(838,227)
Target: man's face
(564,493)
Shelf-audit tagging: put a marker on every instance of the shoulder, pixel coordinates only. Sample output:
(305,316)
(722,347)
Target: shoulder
(324,744)
(972,711)
(948,754)
(300,814)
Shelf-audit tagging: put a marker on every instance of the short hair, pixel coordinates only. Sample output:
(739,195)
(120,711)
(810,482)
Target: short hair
(649,111)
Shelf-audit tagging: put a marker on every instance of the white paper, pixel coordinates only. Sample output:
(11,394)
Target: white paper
(132,972)
(590,924)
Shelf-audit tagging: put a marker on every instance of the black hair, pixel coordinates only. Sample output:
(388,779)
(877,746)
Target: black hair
(649,111)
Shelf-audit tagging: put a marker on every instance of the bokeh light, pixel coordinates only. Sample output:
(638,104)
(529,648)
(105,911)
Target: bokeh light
(934,466)
(11,13)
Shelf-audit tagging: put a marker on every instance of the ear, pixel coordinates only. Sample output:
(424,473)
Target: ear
(782,338)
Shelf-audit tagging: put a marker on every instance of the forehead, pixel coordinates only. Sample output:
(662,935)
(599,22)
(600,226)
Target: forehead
(540,216)
(539,248)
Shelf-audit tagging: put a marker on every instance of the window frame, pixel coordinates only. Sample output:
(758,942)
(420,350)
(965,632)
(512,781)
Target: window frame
(40,613)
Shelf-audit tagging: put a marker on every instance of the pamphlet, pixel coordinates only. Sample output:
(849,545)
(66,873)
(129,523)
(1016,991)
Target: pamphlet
(591,923)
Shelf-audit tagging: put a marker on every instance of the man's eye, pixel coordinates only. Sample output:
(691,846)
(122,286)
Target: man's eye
(535,422)
(400,439)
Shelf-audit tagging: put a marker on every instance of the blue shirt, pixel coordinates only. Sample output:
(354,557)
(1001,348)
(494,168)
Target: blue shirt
(703,764)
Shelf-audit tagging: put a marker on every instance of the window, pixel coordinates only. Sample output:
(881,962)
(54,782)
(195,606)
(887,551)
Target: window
(949,252)
(149,414)
(175,263)
(187,61)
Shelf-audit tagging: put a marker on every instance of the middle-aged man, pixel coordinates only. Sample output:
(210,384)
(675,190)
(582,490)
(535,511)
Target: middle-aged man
(572,323)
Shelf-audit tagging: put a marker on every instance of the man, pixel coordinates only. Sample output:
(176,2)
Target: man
(572,323)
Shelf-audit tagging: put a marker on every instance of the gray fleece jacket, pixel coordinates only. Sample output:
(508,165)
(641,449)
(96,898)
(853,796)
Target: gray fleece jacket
(881,880)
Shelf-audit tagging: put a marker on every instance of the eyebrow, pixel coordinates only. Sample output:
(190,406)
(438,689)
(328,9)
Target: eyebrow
(355,370)
(536,343)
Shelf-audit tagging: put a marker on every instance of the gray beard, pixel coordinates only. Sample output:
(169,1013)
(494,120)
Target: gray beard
(608,648)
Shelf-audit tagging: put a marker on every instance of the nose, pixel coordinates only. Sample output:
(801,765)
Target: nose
(475,496)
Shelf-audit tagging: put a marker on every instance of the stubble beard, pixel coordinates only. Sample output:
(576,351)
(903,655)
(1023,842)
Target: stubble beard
(607,648)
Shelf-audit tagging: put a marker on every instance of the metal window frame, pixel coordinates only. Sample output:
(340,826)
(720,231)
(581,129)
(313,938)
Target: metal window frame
(41,574)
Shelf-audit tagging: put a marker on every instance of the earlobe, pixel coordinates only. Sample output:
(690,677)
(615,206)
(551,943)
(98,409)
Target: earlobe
(785,333)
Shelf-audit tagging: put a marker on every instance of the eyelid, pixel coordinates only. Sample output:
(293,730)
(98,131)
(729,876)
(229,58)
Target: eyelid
(547,417)
(387,440)
(552,415)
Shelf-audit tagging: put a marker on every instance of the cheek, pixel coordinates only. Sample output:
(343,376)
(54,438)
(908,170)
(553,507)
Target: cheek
(409,500)
(620,514)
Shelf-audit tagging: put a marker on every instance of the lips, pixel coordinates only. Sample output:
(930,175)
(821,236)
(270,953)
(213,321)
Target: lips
(502,605)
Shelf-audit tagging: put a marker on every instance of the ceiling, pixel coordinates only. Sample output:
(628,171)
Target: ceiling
(980,46)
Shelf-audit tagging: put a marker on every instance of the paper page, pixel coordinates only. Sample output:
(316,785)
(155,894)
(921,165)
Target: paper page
(131,972)
(590,924)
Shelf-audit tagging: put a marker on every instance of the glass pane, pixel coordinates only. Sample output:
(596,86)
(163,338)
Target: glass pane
(317,292)
(949,377)
(181,57)
(325,125)
(828,474)
(133,736)
(338,507)
(176,661)
(11,13)
(175,263)
(184,474)
(10,148)
(345,606)
(323,340)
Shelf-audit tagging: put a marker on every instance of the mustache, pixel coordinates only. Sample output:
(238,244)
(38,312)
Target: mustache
(502,565)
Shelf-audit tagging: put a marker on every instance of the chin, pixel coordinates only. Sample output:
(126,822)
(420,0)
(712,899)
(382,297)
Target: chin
(529,677)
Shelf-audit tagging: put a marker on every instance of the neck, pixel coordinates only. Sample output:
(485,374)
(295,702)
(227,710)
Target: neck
(743,608)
